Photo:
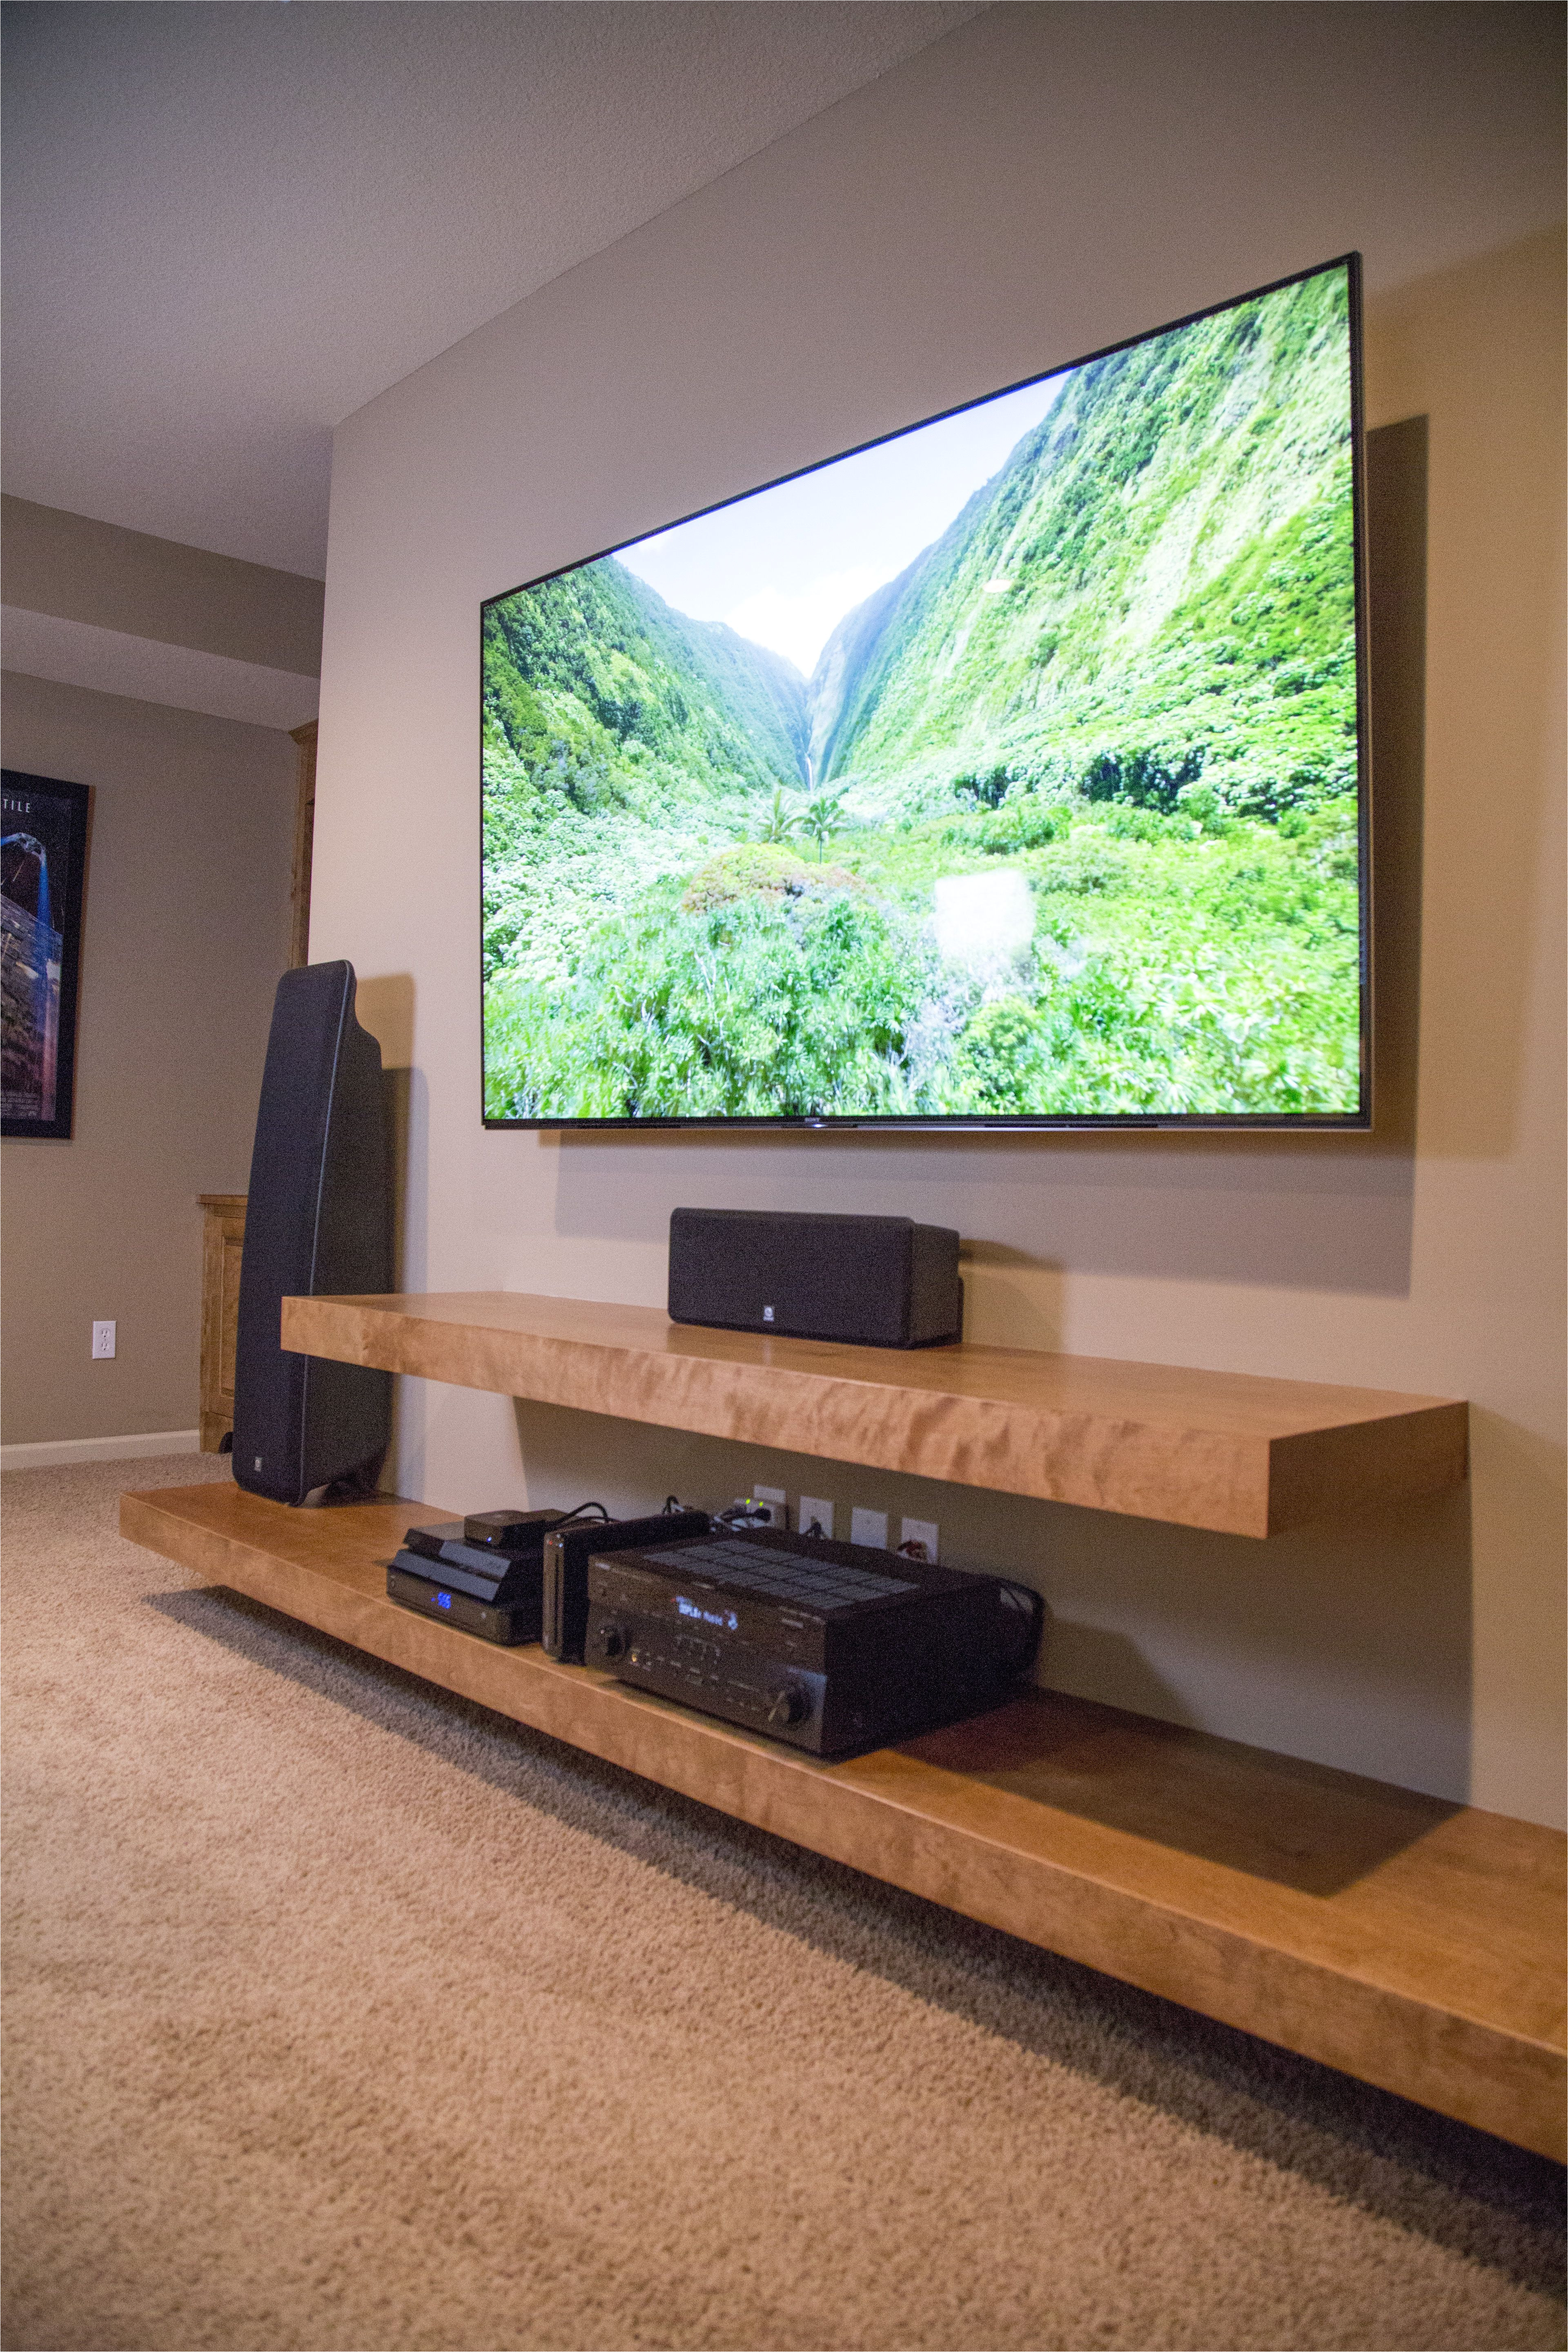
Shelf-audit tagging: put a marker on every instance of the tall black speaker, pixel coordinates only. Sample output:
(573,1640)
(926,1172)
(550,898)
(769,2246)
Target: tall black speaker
(319,1219)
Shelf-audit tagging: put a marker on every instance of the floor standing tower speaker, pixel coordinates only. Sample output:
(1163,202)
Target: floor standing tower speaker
(318,1218)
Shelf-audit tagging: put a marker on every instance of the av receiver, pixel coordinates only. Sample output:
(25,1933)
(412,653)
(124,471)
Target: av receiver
(830,1646)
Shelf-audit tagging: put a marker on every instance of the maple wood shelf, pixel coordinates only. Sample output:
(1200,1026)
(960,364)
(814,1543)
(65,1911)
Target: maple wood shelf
(1414,1944)
(1226,1451)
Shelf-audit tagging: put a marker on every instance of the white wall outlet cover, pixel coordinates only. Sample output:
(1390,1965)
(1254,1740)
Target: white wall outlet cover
(869,1527)
(764,1505)
(918,1532)
(814,1510)
(102,1341)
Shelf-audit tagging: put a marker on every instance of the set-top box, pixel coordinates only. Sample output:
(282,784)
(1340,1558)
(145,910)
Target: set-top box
(830,1646)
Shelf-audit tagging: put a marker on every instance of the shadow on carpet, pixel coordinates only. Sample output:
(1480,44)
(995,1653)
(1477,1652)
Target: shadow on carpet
(1458,2188)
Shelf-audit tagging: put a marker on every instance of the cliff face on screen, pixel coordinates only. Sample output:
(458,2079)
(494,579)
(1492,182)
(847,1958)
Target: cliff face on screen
(1063,820)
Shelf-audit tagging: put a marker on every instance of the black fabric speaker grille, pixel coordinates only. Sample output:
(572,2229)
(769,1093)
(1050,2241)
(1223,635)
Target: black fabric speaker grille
(318,1218)
(881,1281)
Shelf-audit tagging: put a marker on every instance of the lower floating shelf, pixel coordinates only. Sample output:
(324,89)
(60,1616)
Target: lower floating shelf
(1414,1944)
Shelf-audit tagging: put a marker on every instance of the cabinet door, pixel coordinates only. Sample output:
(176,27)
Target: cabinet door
(223,1243)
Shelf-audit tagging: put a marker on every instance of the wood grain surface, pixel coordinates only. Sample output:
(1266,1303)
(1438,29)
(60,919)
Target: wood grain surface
(1226,1451)
(223,1247)
(1414,1944)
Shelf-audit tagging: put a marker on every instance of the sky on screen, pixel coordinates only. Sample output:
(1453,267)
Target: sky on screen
(784,565)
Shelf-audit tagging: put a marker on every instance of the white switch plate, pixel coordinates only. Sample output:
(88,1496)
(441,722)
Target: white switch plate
(869,1527)
(919,1531)
(103,1339)
(812,1507)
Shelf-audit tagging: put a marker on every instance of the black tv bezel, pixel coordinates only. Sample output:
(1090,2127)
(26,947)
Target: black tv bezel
(1359,1121)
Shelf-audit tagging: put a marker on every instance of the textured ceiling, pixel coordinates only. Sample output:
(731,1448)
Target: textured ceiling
(228,223)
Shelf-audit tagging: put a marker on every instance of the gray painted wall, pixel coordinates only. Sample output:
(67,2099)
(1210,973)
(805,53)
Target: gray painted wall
(1040,183)
(79,570)
(185,932)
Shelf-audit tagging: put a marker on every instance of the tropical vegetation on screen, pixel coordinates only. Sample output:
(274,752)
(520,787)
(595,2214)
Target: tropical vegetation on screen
(1061,820)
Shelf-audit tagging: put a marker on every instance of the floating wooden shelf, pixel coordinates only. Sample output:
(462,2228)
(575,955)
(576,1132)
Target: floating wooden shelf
(1221,1450)
(1414,1944)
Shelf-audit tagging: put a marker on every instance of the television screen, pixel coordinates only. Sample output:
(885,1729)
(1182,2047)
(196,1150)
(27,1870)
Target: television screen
(1010,771)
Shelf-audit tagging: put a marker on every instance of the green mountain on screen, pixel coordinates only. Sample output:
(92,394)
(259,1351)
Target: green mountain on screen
(1157,584)
(587,670)
(1112,708)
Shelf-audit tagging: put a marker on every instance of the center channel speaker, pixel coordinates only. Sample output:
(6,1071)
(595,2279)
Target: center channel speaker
(881,1282)
(318,1219)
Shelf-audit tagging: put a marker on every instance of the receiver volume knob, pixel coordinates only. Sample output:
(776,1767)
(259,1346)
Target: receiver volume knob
(612,1641)
(787,1705)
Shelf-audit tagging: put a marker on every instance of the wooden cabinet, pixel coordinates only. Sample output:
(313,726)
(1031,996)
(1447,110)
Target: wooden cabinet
(223,1240)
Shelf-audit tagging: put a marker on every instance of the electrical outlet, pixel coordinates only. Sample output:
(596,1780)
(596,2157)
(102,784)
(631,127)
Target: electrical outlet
(815,1512)
(763,1507)
(921,1532)
(102,1341)
(869,1527)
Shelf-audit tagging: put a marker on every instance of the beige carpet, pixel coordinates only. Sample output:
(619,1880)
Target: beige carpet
(343,2014)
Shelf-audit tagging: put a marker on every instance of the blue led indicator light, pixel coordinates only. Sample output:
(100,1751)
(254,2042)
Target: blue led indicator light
(443,1601)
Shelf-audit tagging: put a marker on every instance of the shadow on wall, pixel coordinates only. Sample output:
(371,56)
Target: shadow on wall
(1329,1213)
(383,1004)
(406,1098)
(1347,1643)
(1024,1295)
(1490,880)
(1396,468)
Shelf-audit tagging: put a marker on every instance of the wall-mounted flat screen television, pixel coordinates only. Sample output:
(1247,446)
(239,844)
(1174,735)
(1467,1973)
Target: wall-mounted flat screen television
(1008,771)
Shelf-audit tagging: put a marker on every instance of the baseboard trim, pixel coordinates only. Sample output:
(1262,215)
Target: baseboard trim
(137,1448)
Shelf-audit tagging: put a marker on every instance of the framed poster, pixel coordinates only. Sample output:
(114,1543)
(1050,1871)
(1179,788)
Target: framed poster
(43,856)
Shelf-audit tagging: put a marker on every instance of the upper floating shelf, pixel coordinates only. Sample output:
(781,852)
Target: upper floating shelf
(1226,1451)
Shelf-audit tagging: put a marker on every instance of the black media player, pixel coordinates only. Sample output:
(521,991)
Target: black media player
(830,1646)
(513,1577)
(493,1586)
(503,1572)
(452,1606)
